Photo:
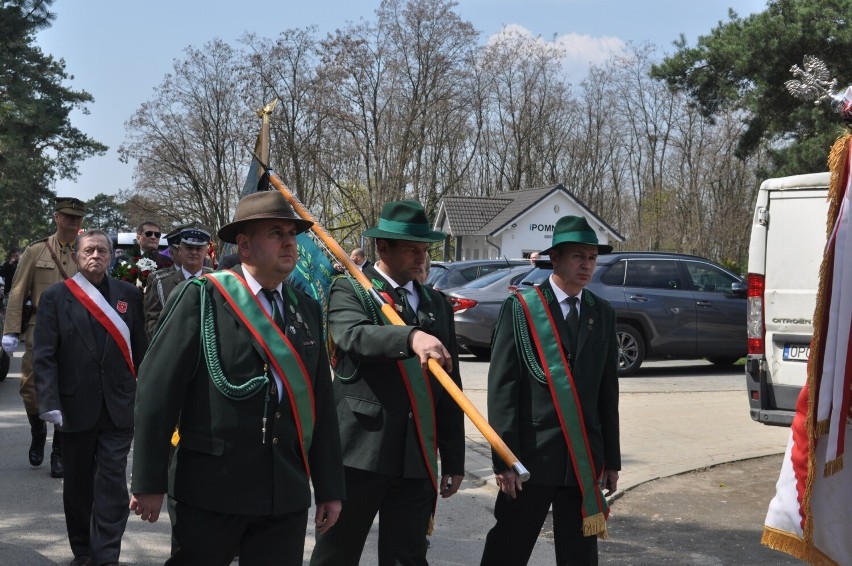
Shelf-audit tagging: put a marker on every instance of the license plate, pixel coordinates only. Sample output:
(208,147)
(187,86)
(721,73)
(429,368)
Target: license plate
(796,352)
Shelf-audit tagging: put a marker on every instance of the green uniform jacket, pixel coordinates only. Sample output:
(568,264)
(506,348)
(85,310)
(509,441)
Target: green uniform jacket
(224,463)
(521,409)
(159,286)
(377,429)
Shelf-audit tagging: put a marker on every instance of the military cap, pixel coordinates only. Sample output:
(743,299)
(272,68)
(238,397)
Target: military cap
(193,236)
(70,205)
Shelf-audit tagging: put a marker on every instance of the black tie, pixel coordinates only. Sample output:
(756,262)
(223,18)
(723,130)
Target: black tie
(272,296)
(406,306)
(572,319)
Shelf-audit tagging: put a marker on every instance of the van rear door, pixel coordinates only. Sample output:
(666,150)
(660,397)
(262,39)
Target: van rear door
(786,249)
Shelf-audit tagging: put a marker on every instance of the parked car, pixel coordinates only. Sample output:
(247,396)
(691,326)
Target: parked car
(668,306)
(444,275)
(476,306)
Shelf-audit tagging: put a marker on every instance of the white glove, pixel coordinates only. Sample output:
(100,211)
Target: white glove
(54,417)
(10,343)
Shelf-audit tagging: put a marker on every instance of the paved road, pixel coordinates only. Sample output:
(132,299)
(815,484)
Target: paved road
(676,417)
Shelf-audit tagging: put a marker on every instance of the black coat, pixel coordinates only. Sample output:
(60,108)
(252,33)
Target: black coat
(78,366)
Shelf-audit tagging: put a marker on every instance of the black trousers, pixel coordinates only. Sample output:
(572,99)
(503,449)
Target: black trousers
(210,538)
(94,491)
(519,522)
(404,507)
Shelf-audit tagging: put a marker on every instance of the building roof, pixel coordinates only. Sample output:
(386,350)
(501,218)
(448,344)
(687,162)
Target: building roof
(486,216)
(467,215)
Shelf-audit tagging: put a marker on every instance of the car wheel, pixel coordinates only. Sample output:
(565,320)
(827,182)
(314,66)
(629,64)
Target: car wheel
(480,353)
(723,362)
(631,349)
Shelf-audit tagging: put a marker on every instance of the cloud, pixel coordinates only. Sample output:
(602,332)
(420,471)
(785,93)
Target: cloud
(579,50)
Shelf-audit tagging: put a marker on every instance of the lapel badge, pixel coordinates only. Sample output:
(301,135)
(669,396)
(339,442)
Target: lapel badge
(591,322)
(292,329)
(398,308)
(121,307)
(431,317)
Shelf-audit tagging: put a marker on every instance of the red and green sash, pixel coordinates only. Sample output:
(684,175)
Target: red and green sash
(279,351)
(419,390)
(544,336)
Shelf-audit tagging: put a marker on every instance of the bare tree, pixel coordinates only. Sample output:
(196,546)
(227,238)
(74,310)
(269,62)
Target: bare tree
(189,142)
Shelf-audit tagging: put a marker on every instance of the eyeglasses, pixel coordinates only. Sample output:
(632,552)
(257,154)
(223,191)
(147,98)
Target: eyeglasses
(152,234)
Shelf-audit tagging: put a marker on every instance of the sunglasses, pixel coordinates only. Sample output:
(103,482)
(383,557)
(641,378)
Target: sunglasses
(152,234)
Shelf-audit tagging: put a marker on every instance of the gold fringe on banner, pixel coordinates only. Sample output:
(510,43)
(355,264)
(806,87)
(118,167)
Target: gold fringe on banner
(595,525)
(837,161)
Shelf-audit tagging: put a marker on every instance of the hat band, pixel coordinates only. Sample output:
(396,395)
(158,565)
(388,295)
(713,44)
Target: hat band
(405,228)
(579,237)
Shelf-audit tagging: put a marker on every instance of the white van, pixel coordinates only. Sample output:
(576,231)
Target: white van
(788,235)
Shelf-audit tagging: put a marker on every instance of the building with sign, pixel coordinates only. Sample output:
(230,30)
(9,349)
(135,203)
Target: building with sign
(511,224)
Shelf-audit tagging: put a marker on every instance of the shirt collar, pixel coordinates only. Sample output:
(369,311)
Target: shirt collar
(562,295)
(408,286)
(255,286)
(187,274)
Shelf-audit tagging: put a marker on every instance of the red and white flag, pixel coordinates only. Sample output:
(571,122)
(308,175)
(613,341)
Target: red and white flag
(811,514)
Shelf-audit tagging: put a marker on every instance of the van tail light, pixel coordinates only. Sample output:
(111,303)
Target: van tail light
(460,304)
(754,321)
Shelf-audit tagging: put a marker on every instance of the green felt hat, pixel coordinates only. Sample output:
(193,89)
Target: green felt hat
(404,220)
(575,230)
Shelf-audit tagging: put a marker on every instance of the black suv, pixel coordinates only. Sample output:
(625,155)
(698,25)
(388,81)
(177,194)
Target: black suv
(668,306)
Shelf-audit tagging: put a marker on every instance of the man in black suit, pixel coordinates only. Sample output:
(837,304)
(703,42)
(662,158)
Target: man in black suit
(239,363)
(89,340)
(553,398)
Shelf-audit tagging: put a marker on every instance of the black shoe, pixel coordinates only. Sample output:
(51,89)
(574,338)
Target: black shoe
(56,466)
(39,432)
(80,561)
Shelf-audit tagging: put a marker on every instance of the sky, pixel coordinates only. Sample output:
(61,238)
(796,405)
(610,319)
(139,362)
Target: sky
(120,50)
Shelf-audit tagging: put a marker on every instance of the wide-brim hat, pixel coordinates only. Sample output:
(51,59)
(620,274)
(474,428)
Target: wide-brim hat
(575,230)
(404,220)
(70,205)
(265,205)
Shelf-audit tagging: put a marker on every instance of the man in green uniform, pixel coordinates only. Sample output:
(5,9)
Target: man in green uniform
(239,363)
(553,398)
(192,249)
(394,415)
(42,264)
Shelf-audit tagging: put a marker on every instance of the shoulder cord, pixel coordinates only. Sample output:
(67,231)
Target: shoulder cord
(211,350)
(370,309)
(525,347)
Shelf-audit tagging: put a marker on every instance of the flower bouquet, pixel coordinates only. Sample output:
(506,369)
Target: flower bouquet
(134,270)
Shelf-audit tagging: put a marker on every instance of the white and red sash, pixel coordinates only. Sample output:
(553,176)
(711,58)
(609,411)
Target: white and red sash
(98,307)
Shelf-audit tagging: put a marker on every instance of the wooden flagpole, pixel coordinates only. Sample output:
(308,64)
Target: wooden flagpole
(445,380)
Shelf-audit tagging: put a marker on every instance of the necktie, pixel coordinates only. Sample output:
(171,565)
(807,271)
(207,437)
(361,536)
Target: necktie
(572,319)
(272,296)
(408,312)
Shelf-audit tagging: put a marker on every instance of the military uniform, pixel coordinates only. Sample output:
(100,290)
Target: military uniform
(37,271)
(160,285)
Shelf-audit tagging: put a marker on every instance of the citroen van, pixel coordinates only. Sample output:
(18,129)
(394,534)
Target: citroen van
(788,236)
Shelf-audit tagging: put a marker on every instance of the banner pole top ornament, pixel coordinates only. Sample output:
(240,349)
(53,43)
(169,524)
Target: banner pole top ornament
(814,82)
